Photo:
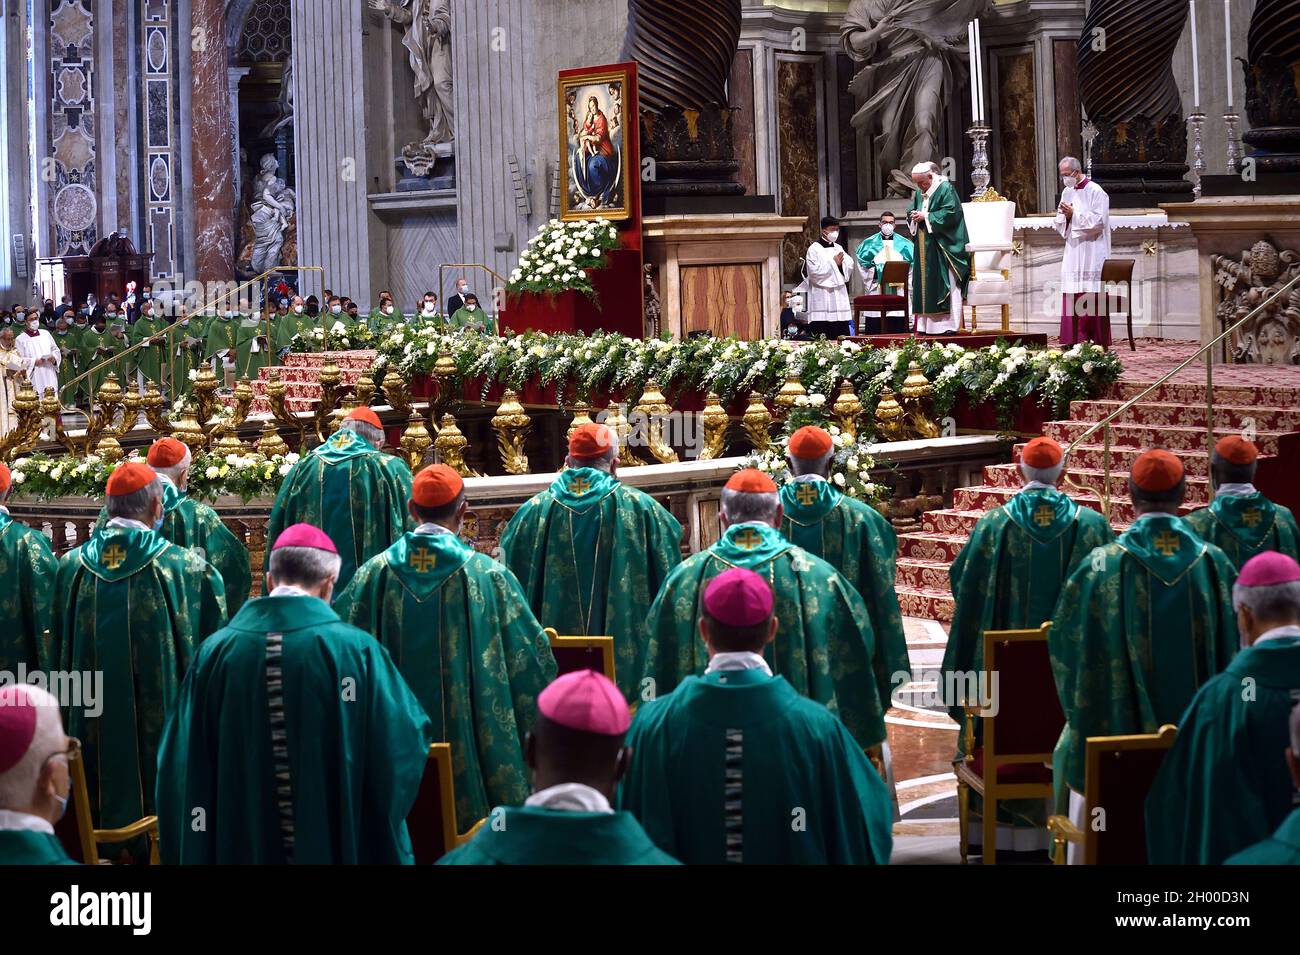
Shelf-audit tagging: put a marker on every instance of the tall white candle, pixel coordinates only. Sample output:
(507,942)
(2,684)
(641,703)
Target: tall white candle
(1227,45)
(974,78)
(979,71)
(1196,62)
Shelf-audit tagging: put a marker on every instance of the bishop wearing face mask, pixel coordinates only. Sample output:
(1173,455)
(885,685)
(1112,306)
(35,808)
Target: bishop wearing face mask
(827,268)
(41,352)
(1083,219)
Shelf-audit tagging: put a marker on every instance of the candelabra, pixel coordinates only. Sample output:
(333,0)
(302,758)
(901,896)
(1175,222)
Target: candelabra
(1197,122)
(1230,119)
(979,175)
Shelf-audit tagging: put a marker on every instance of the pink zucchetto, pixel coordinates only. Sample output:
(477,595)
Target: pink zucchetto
(1268,569)
(304,535)
(17,725)
(586,701)
(738,598)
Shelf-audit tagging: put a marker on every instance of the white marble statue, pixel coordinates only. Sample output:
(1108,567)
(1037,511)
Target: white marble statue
(908,78)
(428,41)
(271,213)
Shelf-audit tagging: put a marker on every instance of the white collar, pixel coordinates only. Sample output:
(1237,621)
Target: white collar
(127,522)
(1290,630)
(737,660)
(12,821)
(1037,486)
(163,477)
(4,510)
(805,478)
(570,797)
(1235,490)
(432,528)
(936,181)
(1153,514)
(289,590)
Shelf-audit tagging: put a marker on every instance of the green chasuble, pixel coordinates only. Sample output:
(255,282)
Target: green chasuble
(860,543)
(283,328)
(824,645)
(84,341)
(1141,624)
(1282,848)
(1011,571)
(104,348)
(532,835)
(133,606)
(187,523)
(248,362)
(69,362)
(460,631)
(591,553)
(149,358)
(735,766)
(353,492)
(27,569)
(185,345)
(220,334)
(478,320)
(1224,785)
(940,246)
(1246,525)
(29,847)
(299,738)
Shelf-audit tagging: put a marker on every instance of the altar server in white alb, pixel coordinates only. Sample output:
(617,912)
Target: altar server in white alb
(827,268)
(1083,220)
(41,354)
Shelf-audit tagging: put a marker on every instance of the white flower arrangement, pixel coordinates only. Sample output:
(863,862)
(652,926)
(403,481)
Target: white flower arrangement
(558,258)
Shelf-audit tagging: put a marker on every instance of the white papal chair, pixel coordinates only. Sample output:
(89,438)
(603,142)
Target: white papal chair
(990,222)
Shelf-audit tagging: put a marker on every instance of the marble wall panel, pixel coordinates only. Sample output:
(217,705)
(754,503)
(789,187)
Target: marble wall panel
(723,299)
(213,168)
(1017,144)
(69,159)
(798,131)
(740,94)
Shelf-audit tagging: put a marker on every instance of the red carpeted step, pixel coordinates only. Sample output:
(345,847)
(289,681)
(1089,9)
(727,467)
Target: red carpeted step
(1193,393)
(923,574)
(1154,436)
(927,604)
(1008,476)
(921,545)
(1236,417)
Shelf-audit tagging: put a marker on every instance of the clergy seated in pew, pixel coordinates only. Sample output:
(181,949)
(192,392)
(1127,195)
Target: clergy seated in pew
(35,784)
(432,820)
(1108,825)
(1283,846)
(1240,520)
(133,606)
(294,735)
(1008,577)
(460,631)
(825,648)
(1019,724)
(1224,786)
(350,489)
(1142,624)
(26,589)
(591,553)
(188,523)
(735,766)
(576,756)
(581,653)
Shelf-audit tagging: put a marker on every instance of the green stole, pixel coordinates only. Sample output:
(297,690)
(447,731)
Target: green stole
(1243,526)
(248,362)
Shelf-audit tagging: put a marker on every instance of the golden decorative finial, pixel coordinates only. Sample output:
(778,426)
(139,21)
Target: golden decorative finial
(716,421)
(581,416)
(270,443)
(758,423)
(889,417)
(847,408)
(416,441)
(916,393)
(615,421)
(655,409)
(450,445)
(785,398)
(512,425)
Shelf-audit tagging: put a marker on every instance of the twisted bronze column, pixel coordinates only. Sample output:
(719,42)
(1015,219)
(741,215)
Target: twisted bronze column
(1272,64)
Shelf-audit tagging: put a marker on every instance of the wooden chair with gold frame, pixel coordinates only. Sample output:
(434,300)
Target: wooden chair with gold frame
(76,830)
(582,653)
(1118,773)
(432,820)
(1019,731)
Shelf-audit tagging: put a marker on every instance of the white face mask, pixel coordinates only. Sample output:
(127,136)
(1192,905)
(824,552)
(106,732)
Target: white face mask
(428,308)
(887,229)
(833,235)
(297,309)
(32,326)
(461,290)
(388,310)
(1070,181)
(470,307)
(336,309)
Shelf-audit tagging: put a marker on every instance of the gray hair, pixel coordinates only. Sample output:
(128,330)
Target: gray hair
(802,466)
(1075,165)
(1278,602)
(741,507)
(18,783)
(368,431)
(603,463)
(1043,475)
(303,566)
(136,506)
(174,472)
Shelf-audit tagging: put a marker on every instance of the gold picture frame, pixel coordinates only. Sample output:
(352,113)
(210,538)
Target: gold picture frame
(598,120)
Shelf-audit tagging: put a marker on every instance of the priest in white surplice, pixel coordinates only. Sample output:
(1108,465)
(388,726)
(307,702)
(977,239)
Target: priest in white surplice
(42,354)
(827,268)
(12,367)
(1083,220)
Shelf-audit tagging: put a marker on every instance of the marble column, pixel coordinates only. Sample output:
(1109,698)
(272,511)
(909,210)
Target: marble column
(214,175)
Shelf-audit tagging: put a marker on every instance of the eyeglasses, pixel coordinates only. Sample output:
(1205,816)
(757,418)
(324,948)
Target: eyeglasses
(74,746)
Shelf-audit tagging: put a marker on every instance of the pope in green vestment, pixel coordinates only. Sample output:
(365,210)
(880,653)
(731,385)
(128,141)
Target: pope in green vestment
(591,554)
(297,736)
(352,491)
(859,542)
(941,240)
(804,791)
(1223,785)
(133,606)
(29,847)
(459,629)
(27,570)
(1141,624)
(825,647)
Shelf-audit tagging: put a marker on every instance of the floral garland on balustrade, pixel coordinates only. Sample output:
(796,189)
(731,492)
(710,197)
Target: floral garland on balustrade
(343,336)
(579,365)
(42,477)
